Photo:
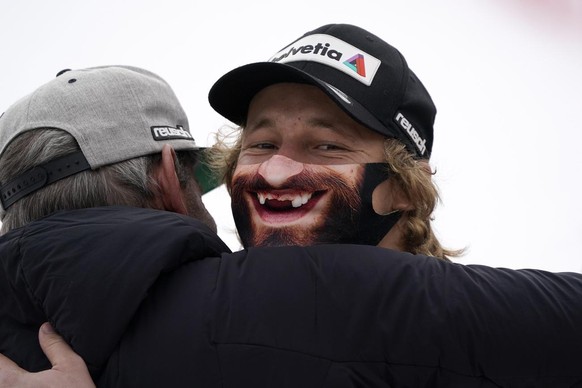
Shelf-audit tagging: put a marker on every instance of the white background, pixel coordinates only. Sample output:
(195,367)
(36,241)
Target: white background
(506,76)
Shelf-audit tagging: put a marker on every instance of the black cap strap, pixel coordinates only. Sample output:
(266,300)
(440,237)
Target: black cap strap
(41,176)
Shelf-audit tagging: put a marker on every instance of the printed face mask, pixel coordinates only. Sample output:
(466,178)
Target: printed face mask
(314,204)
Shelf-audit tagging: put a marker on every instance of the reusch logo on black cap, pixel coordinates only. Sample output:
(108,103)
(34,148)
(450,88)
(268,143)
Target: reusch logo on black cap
(412,132)
(170,133)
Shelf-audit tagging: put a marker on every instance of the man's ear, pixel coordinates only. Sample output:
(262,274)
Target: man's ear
(170,196)
(388,197)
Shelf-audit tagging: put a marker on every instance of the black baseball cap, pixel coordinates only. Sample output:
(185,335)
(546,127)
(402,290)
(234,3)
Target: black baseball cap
(365,76)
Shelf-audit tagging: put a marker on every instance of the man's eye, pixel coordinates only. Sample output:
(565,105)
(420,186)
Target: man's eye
(263,146)
(329,147)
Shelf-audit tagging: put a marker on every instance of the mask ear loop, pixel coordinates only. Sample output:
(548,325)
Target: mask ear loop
(391,212)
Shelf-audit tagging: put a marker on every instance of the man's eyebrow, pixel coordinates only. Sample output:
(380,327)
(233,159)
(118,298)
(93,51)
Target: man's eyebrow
(262,123)
(318,122)
(338,128)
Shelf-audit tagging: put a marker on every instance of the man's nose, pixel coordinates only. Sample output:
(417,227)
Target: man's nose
(277,169)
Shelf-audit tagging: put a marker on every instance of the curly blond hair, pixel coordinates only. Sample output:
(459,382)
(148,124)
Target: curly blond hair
(414,177)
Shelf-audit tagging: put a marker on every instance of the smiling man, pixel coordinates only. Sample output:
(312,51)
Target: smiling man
(300,174)
(335,141)
(150,311)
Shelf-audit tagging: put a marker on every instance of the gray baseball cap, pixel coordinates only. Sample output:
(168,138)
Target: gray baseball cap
(115,113)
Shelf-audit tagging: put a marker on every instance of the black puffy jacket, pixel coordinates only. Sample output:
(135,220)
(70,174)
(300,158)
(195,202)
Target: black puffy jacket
(151,299)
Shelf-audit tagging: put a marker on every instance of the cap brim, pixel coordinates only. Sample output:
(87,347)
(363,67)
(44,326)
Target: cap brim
(232,93)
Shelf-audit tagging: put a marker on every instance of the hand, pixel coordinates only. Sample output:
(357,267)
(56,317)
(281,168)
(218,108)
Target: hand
(69,369)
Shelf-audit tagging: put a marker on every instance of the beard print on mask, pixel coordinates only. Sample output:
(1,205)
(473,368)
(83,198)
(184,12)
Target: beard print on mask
(330,222)
(348,216)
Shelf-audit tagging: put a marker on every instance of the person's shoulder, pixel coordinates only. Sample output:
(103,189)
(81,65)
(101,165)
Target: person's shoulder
(116,222)
(118,215)
(369,253)
(340,258)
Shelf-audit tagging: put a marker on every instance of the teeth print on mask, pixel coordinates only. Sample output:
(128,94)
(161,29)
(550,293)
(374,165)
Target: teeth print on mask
(296,200)
(319,204)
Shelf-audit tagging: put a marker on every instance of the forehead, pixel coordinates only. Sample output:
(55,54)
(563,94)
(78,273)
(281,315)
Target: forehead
(301,105)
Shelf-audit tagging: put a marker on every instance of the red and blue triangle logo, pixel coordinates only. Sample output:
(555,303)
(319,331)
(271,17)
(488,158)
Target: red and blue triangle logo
(356,63)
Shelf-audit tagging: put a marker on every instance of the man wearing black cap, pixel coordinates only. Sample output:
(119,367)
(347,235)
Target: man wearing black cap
(338,315)
(336,136)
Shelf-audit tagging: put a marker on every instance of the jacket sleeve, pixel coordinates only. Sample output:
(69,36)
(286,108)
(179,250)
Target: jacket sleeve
(405,319)
(92,269)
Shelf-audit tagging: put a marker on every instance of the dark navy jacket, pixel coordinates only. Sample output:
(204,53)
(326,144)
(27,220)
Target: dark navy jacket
(154,299)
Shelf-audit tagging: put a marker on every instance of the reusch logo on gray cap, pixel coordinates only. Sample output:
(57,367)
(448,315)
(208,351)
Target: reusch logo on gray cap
(170,133)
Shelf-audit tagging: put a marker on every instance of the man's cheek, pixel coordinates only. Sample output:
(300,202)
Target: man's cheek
(244,170)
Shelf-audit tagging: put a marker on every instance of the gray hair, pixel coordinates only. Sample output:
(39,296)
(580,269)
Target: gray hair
(126,183)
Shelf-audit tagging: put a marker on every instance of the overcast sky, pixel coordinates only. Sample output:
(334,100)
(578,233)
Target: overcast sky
(505,76)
